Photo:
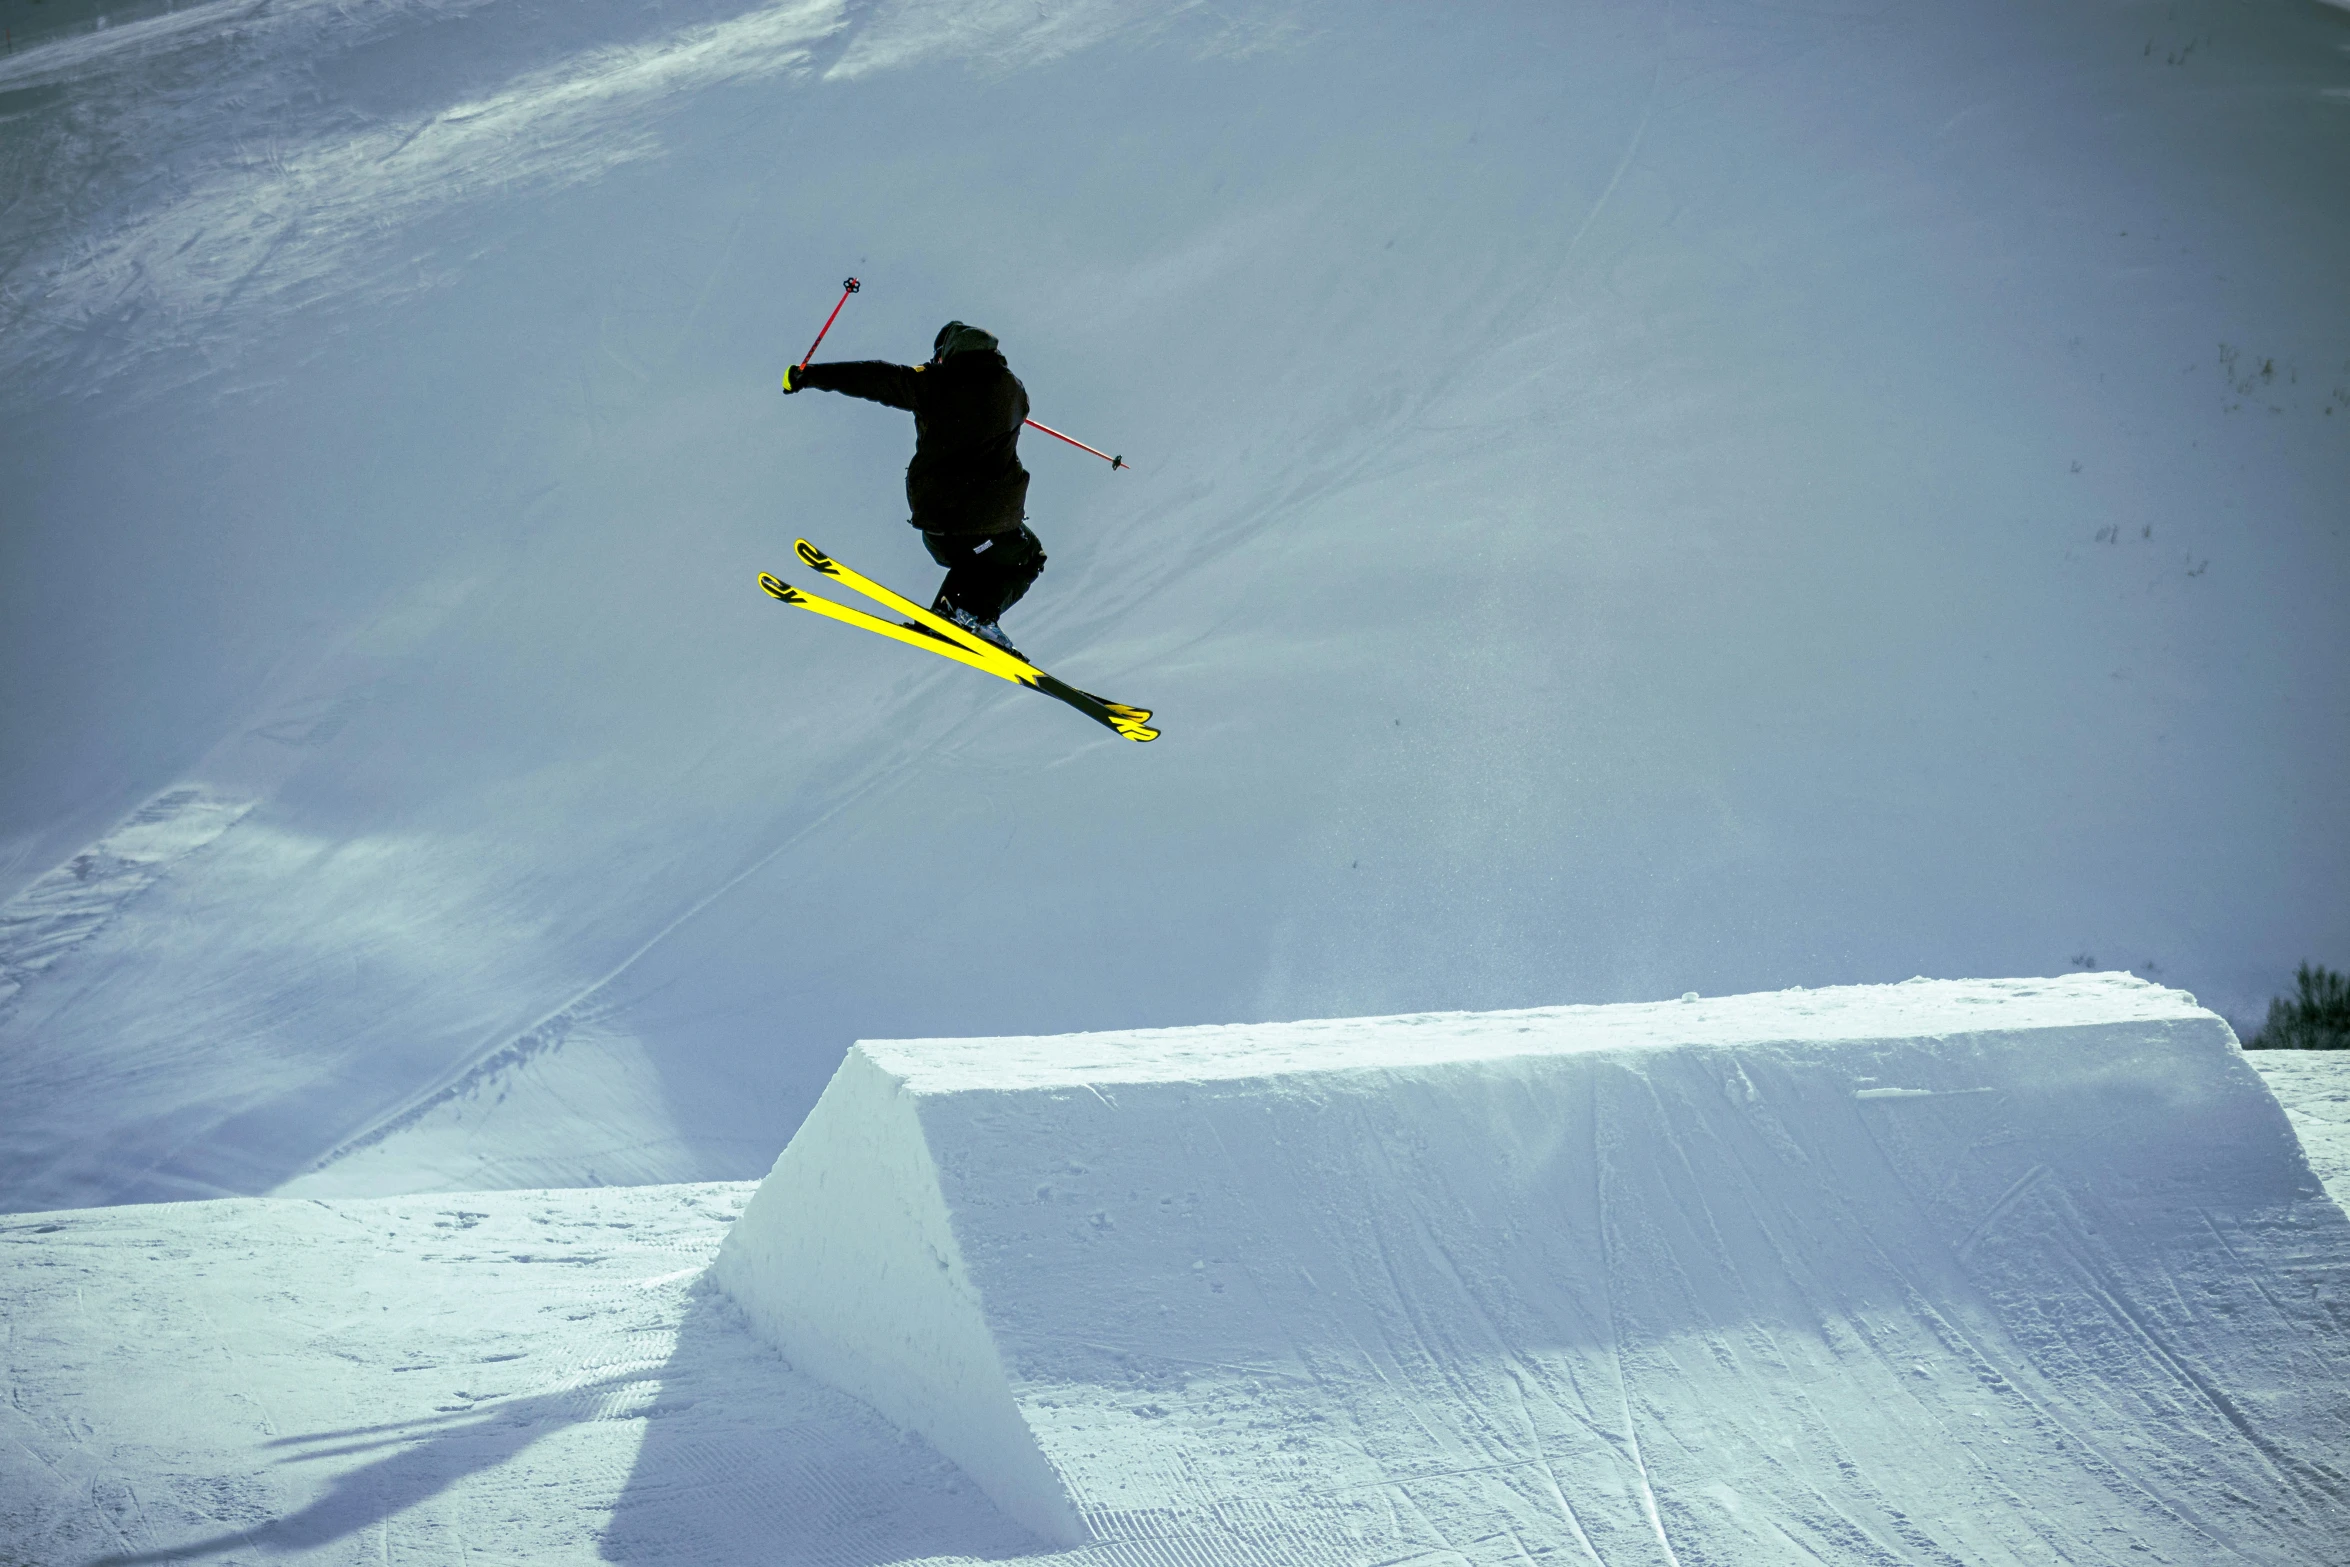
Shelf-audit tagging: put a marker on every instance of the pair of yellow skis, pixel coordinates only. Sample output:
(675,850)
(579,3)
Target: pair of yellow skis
(936,634)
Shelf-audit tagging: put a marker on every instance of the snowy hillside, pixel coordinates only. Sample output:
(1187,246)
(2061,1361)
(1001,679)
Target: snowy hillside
(2314,1087)
(1627,498)
(1931,1273)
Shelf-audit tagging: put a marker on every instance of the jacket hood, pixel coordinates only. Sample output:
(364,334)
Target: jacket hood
(956,338)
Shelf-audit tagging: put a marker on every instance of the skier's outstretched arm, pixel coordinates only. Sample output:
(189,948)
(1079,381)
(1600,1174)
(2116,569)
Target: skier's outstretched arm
(875,380)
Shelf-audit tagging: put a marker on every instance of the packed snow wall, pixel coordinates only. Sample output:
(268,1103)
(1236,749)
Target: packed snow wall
(1981,1271)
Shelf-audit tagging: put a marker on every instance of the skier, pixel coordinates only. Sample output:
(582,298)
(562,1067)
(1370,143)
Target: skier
(965,485)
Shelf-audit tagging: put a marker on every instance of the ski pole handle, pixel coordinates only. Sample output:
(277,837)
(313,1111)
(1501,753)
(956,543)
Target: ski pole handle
(1114,462)
(846,289)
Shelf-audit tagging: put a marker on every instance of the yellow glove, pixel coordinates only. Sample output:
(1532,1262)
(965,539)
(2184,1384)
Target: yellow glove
(794,377)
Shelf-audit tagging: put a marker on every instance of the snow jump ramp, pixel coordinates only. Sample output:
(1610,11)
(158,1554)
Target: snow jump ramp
(1978,1272)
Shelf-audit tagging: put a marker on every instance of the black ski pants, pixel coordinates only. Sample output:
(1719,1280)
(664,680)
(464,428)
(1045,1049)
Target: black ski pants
(986,573)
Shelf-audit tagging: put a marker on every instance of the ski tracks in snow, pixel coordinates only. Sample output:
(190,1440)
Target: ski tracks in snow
(64,909)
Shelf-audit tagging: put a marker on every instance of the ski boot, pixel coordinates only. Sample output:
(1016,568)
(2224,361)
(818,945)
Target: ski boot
(987,630)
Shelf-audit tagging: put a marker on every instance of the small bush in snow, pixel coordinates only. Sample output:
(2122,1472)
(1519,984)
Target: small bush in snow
(2316,1019)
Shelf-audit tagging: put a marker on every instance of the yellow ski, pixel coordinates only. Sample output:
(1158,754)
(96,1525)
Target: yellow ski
(948,640)
(849,616)
(857,582)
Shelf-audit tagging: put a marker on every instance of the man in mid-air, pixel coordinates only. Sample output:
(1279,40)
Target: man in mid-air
(966,486)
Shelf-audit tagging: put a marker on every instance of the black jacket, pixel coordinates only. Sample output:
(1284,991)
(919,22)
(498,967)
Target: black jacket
(966,476)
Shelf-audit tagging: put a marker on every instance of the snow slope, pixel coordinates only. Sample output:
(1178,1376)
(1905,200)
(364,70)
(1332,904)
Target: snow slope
(2314,1087)
(1732,1289)
(503,1377)
(1628,497)
(1975,1272)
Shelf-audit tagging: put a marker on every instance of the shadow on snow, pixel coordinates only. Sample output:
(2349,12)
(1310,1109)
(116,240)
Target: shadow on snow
(742,1457)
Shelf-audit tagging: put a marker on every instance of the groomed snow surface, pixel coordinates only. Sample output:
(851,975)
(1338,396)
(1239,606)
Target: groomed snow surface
(1990,1272)
(1623,497)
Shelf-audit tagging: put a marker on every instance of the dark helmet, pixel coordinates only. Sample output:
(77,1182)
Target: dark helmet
(956,338)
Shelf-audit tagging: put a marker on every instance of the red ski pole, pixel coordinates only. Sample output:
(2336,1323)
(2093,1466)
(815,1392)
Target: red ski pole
(846,289)
(1114,462)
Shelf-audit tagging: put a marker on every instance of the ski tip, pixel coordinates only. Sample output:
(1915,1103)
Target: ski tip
(816,558)
(776,588)
(1132,722)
